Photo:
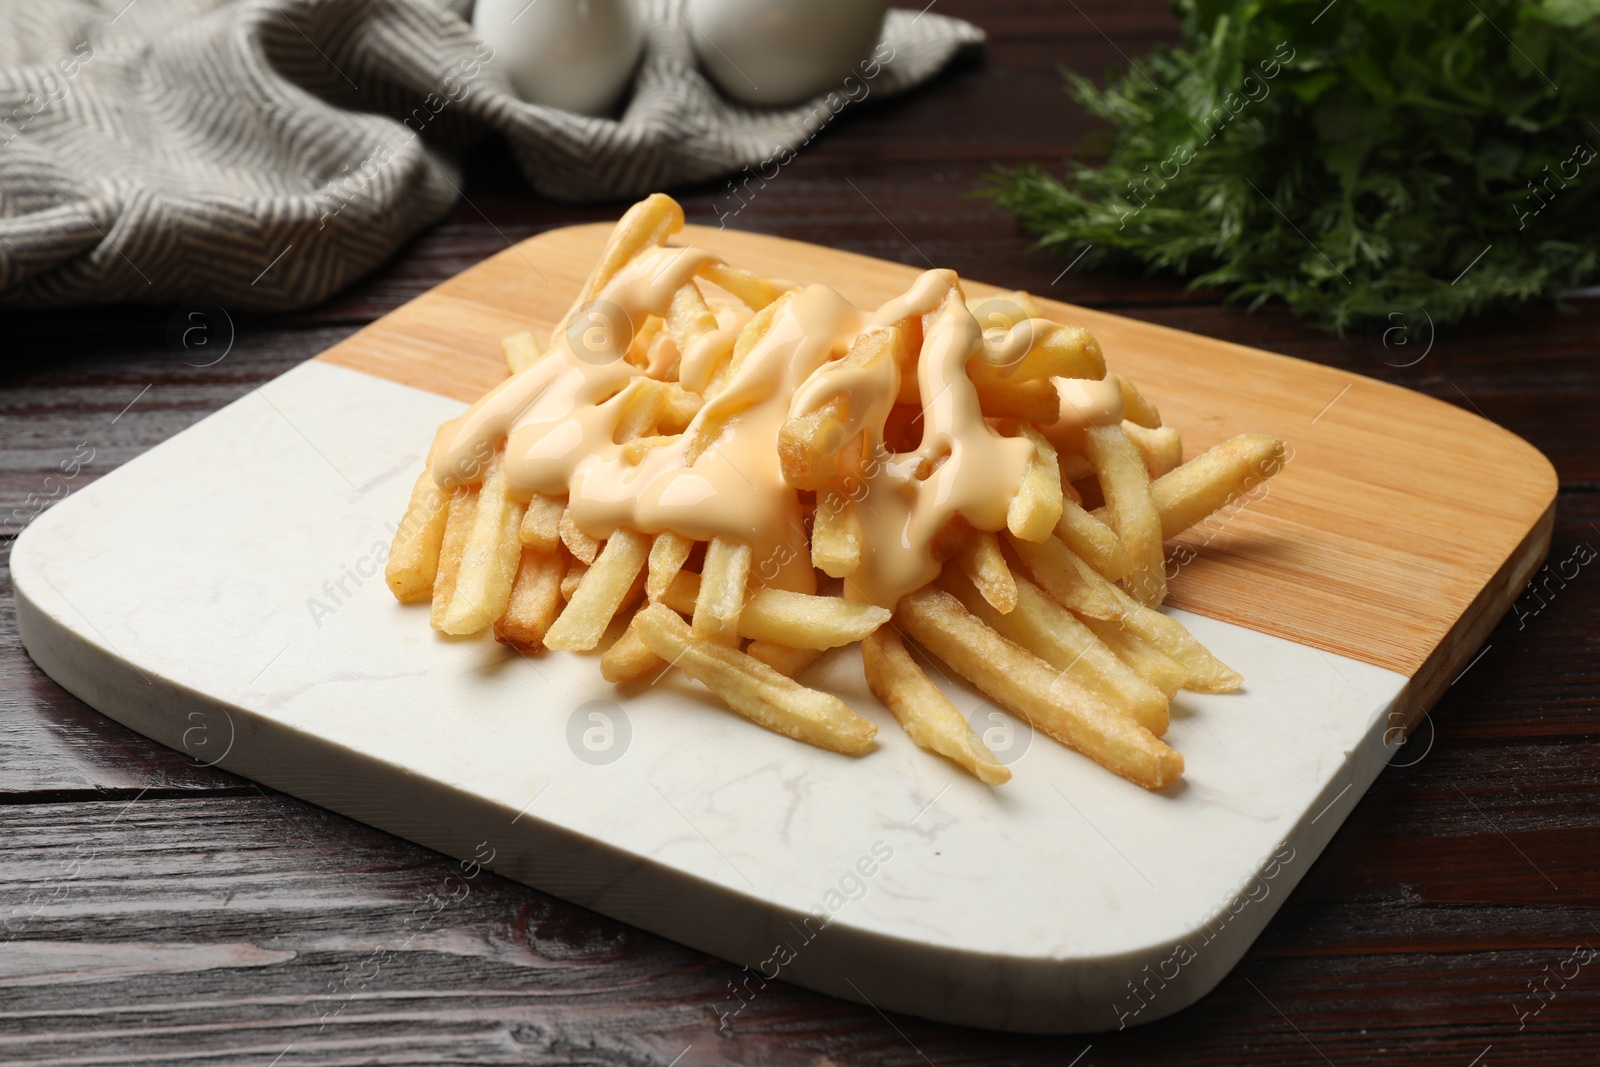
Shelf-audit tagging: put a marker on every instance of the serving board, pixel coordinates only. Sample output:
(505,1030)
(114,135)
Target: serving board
(222,594)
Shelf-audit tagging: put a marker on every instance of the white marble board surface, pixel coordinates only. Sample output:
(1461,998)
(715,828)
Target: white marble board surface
(223,595)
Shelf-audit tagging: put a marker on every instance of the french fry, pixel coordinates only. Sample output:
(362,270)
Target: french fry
(583,547)
(1004,311)
(1212,479)
(1056,636)
(679,406)
(635,451)
(570,581)
(1147,661)
(1205,673)
(1035,402)
(629,658)
(778,616)
(1135,408)
(668,553)
(1093,541)
(1160,448)
(835,536)
(541,523)
(689,319)
(414,554)
(984,563)
(754,689)
(1070,581)
(755,291)
(646,224)
(787,660)
(819,448)
(458,526)
(926,714)
(602,591)
(1057,351)
(1035,510)
(641,410)
(1025,685)
(535,601)
(1126,484)
(489,558)
(521,351)
(724,580)
(644,340)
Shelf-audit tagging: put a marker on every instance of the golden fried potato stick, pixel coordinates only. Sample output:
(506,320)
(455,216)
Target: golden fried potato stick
(641,410)
(637,449)
(1126,484)
(1214,479)
(1035,510)
(678,408)
(835,536)
(1092,540)
(754,689)
(1057,352)
(489,557)
(646,224)
(570,581)
(1205,672)
(753,290)
(1026,685)
(819,448)
(778,616)
(984,563)
(458,525)
(1004,311)
(1070,581)
(541,523)
(1056,636)
(629,658)
(604,588)
(1145,659)
(724,580)
(692,324)
(668,553)
(1135,408)
(521,350)
(787,660)
(1161,448)
(583,547)
(414,555)
(1035,402)
(926,714)
(535,601)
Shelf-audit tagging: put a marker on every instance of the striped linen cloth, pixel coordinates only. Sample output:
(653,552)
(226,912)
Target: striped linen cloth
(266,153)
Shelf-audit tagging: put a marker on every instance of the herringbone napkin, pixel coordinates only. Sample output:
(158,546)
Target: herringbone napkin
(266,153)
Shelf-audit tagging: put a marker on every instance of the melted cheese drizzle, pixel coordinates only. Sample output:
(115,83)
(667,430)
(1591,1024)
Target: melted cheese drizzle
(559,419)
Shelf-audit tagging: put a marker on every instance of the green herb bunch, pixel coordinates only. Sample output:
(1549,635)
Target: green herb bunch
(1355,158)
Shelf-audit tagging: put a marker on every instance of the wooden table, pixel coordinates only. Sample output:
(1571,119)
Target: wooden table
(155,911)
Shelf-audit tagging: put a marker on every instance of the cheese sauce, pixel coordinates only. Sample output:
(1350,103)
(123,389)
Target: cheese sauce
(559,420)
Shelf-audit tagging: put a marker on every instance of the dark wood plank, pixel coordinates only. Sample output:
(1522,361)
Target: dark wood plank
(250,923)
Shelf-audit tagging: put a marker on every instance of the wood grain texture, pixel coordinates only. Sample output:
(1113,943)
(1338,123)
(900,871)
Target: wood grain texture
(1375,541)
(1412,940)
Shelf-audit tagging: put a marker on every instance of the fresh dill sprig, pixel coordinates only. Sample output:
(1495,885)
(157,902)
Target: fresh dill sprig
(1353,159)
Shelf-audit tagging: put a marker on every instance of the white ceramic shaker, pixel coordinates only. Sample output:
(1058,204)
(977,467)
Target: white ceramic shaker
(577,55)
(777,52)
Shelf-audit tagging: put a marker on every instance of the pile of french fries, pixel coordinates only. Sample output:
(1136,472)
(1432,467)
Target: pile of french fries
(1053,617)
